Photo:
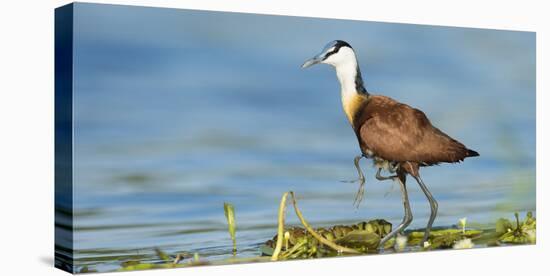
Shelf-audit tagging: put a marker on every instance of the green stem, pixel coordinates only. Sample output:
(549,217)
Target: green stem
(281,228)
(320,238)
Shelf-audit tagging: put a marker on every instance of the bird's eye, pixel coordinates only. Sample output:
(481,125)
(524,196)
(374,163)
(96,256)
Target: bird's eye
(330,52)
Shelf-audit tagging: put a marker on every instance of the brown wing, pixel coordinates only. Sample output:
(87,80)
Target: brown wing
(398,132)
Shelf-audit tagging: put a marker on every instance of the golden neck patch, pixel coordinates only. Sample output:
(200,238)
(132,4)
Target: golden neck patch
(351,104)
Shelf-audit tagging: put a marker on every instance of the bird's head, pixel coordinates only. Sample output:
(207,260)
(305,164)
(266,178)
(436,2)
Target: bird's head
(337,53)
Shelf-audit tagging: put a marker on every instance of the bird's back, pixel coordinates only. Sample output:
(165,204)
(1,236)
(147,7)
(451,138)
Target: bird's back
(397,132)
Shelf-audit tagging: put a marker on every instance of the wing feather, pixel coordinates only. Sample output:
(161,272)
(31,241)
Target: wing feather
(398,132)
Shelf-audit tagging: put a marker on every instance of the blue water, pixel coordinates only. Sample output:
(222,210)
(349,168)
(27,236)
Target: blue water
(177,112)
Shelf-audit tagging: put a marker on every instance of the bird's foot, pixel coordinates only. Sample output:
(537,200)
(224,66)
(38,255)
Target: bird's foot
(382,178)
(425,243)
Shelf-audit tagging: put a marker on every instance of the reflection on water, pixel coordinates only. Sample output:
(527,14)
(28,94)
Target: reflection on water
(177,112)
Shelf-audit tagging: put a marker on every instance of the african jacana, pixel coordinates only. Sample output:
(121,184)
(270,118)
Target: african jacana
(398,138)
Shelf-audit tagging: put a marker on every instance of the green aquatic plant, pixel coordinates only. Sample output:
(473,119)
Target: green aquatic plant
(306,244)
(521,233)
(321,239)
(163,256)
(364,237)
(442,238)
(356,239)
(462,223)
(280,228)
(229,211)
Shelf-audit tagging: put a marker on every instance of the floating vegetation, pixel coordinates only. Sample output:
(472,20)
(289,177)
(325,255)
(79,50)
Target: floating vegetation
(364,237)
(299,243)
(305,241)
(443,238)
(520,233)
(175,262)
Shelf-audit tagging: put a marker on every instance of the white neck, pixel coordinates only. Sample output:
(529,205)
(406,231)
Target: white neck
(345,63)
(346,73)
(349,76)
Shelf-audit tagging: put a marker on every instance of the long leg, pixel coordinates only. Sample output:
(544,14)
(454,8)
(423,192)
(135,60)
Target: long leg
(433,207)
(359,195)
(407,219)
(361,178)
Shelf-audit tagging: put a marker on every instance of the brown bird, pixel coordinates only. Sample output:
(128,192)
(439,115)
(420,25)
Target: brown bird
(398,138)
